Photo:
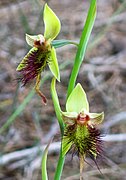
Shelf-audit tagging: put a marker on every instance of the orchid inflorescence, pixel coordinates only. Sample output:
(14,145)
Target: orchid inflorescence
(41,53)
(80,132)
(79,126)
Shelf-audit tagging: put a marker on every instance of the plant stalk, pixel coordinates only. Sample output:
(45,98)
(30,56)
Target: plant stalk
(82,45)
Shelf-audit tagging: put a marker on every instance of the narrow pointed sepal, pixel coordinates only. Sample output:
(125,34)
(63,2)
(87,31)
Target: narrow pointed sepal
(53,64)
(52,23)
(66,145)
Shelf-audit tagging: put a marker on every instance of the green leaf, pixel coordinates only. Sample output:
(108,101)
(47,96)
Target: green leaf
(77,100)
(61,43)
(52,23)
(53,64)
(22,63)
(82,45)
(44,162)
(30,39)
(96,118)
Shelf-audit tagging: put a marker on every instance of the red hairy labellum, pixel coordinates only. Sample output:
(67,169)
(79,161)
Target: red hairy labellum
(34,63)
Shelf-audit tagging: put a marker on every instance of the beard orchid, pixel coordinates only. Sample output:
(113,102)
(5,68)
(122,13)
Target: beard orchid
(80,132)
(42,53)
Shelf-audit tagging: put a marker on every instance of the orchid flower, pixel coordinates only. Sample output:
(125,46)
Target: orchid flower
(41,53)
(80,131)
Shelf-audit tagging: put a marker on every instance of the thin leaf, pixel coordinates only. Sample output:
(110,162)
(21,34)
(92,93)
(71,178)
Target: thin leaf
(63,42)
(44,162)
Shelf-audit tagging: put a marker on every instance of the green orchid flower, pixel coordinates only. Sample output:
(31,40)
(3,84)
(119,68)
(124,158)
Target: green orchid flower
(41,53)
(80,131)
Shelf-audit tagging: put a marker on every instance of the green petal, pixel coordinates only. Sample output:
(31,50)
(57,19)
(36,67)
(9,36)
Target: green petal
(53,64)
(77,100)
(30,39)
(22,63)
(96,118)
(66,145)
(69,117)
(52,23)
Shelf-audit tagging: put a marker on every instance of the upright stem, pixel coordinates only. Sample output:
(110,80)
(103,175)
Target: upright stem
(60,165)
(57,108)
(77,63)
(82,45)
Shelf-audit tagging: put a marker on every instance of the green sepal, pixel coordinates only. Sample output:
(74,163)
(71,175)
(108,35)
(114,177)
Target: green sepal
(30,39)
(52,23)
(53,64)
(22,63)
(77,100)
(66,145)
(61,43)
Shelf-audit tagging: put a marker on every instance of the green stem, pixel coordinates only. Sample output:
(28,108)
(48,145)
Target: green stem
(78,60)
(57,105)
(82,45)
(60,165)
(57,108)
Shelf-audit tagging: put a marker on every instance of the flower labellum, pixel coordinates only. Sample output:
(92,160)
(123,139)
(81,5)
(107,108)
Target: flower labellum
(41,53)
(80,132)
